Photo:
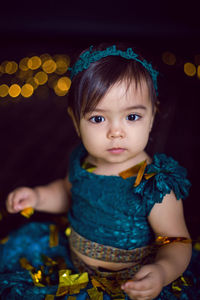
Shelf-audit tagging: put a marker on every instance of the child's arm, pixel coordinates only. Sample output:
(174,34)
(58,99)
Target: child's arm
(52,198)
(166,219)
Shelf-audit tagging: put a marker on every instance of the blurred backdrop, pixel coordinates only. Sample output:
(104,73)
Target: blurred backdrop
(38,39)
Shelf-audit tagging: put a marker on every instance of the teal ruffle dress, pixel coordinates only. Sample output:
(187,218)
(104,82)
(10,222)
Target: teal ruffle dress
(105,209)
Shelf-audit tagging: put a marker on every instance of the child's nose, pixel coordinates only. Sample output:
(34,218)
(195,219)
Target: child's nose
(115,132)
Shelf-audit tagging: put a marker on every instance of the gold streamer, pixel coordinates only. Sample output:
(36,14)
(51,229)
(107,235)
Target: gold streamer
(149,175)
(27,212)
(88,167)
(111,286)
(25,264)
(71,283)
(94,294)
(37,278)
(140,173)
(53,236)
(178,284)
(49,297)
(48,261)
(96,283)
(164,240)
(131,171)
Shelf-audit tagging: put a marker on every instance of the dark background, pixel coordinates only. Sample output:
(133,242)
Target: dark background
(36,134)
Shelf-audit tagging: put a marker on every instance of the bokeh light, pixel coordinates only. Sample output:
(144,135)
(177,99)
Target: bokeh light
(3,66)
(14,90)
(189,69)
(45,56)
(23,64)
(4,90)
(169,58)
(27,90)
(37,74)
(64,84)
(34,62)
(197,59)
(198,71)
(52,80)
(41,78)
(49,66)
(11,67)
(62,64)
(32,81)
(58,92)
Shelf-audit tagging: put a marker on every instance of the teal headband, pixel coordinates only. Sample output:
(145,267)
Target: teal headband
(89,56)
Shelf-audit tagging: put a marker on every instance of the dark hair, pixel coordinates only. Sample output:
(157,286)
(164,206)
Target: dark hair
(89,86)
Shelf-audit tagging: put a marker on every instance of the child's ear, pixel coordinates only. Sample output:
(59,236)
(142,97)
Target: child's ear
(71,114)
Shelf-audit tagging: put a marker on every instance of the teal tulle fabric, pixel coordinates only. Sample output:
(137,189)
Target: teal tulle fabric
(32,241)
(113,211)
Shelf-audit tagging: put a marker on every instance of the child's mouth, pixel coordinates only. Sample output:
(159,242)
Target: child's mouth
(116,150)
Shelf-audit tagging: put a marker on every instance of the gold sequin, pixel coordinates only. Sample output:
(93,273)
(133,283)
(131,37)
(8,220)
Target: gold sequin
(68,231)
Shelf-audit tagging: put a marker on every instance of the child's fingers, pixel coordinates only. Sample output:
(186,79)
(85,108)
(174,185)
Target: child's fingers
(138,285)
(142,295)
(140,280)
(18,200)
(9,203)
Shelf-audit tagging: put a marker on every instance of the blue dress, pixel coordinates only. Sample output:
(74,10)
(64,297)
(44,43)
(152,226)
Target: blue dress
(32,268)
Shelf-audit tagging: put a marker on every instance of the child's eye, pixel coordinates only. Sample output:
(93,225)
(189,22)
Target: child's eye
(97,119)
(133,117)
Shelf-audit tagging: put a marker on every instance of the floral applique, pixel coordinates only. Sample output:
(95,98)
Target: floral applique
(161,176)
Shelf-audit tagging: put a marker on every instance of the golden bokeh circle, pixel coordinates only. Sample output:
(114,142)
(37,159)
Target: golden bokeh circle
(62,64)
(23,64)
(64,83)
(4,90)
(198,71)
(44,57)
(49,66)
(189,69)
(34,62)
(58,92)
(41,78)
(32,81)
(27,90)
(11,67)
(169,58)
(14,90)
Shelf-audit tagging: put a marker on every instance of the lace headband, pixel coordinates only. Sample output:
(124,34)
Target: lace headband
(90,56)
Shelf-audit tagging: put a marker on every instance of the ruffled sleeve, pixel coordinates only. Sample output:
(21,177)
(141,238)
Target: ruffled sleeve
(161,177)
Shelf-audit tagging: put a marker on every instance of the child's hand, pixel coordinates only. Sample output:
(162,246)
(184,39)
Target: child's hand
(21,198)
(146,284)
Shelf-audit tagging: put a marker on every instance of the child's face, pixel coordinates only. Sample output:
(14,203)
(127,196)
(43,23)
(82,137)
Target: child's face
(118,129)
